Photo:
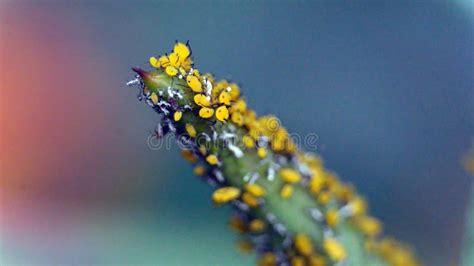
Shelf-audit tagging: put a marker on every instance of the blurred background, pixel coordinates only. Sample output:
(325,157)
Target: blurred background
(388,88)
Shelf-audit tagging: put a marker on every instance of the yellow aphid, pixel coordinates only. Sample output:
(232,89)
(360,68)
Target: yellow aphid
(255,133)
(203,149)
(199,170)
(316,183)
(196,73)
(244,246)
(206,112)
(224,98)
(171,71)
(303,244)
(174,60)
(187,63)
(191,130)
(250,117)
(278,145)
(239,106)
(182,72)
(334,249)
(343,192)
(257,225)
(332,217)
(189,156)
(250,200)
(324,197)
(248,141)
(220,86)
(316,260)
(146,90)
(237,118)
(358,205)
(177,115)
(212,159)
(194,83)
(202,100)
(182,50)
(234,91)
(222,114)
(267,259)
(255,189)
(297,261)
(164,61)
(286,191)
(262,152)
(289,175)
(369,225)
(225,194)
(237,224)
(291,147)
(154,98)
(154,62)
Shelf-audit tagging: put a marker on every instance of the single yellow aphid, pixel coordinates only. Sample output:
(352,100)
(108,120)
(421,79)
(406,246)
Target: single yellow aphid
(196,73)
(234,91)
(286,191)
(171,71)
(164,61)
(298,261)
(358,205)
(257,225)
(203,149)
(191,130)
(154,62)
(332,217)
(248,141)
(237,224)
(267,259)
(369,225)
(206,112)
(222,114)
(237,118)
(316,260)
(250,200)
(316,184)
(199,170)
(244,246)
(303,244)
(255,133)
(154,98)
(182,72)
(189,156)
(255,189)
(289,175)
(239,106)
(224,98)
(334,249)
(262,152)
(324,197)
(225,194)
(201,100)
(182,50)
(174,60)
(194,83)
(177,115)
(212,159)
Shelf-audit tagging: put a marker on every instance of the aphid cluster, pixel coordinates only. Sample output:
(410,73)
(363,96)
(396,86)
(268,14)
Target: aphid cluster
(255,166)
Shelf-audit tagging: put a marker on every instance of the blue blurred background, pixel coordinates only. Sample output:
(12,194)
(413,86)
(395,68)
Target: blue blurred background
(387,86)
